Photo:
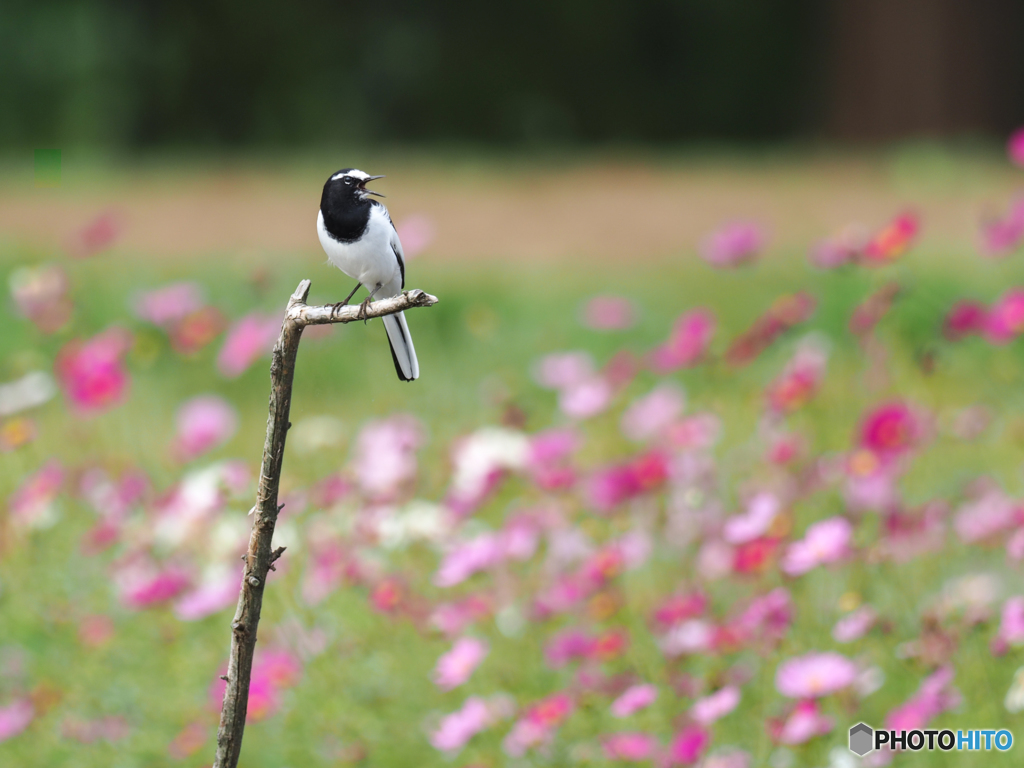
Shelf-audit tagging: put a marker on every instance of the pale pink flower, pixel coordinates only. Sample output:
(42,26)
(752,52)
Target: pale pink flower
(804,723)
(31,506)
(761,512)
(539,723)
(653,413)
(846,247)
(479,461)
(466,559)
(92,372)
(204,423)
(15,718)
(385,455)
(212,596)
(688,638)
(586,399)
(992,514)
(455,667)
(1005,319)
(417,231)
(934,697)
(96,236)
(727,758)
(768,617)
(855,624)
(564,370)
(1002,236)
(688,343)
(170,304)
(42,294)
(1015,147)
(629,747)
(815,674)
(688,746)
(826,541)
(633,699)
(456,729)
(609,313)
(715,706)
(1011,626)
(568,645)
(453,618)
(734,244)
(250,338)
(702,430)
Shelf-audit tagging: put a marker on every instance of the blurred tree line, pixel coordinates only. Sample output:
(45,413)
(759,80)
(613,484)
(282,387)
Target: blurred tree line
(142,73)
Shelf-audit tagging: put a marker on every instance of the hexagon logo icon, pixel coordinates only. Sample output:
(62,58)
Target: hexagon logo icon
(862,739)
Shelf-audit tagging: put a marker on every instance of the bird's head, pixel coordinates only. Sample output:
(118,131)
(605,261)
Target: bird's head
(351,183)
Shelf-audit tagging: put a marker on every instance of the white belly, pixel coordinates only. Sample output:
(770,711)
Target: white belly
(370,260)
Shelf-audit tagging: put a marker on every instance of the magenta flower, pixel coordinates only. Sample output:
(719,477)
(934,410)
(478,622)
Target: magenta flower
(652,413)
(417,232)
(143,584)
(633,699)
(736,243)
(92,373)
(688,746)
(204,423)
(170,304)
(456,729)
(272,671)
(716,706)
(965,318)
(891,429)
(855,624)
(609,313)
(688,343)
(826,541)
(250,338)
(566,646)
(629,747)
(814,674)
(1015,147)
(455,667)
(804,723)
(1000,237)
(1005,319)
(15,718)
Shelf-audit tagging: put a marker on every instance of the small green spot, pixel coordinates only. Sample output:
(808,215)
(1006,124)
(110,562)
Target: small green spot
(47,167)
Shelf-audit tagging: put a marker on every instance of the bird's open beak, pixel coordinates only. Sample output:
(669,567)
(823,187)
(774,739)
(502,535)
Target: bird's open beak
(364,182)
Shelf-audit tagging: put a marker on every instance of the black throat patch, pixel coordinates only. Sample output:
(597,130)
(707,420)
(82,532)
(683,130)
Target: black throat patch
(346,214)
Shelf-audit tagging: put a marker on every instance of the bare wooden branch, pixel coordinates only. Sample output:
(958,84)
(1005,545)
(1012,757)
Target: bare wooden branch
(260,557)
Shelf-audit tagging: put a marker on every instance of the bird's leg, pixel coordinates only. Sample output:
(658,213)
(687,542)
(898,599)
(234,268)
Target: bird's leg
(341,304)
(366,304)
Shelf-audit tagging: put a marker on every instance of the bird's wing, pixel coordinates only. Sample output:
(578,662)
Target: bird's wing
(396,243)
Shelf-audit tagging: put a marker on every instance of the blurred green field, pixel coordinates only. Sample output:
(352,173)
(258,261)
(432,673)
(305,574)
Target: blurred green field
(365,700)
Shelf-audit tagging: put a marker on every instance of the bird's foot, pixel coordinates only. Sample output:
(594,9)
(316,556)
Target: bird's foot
(363,309)
(335,307)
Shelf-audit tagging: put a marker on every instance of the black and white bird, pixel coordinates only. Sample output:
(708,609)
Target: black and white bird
(360,240)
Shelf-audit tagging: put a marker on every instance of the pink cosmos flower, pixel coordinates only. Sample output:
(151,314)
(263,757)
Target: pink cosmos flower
(761,512)
(965,318)
(31,506)
(633,699)
(716,706)
(804,723)
(609,313)
(169,304)
(1011,626)
(455,667)
(204,423)
(143,584)
(702,430)
(96,236)
(1015,147)
(891,429)
(272,671)
(653,413)
(480,553)
(211,596)
(736,243)
(991,514)
(629,747)
(251,337)
(566,646)
(800,379)
(453,618)
(549,458)
(480,460)
(586,399)
(1002,236)
(688,746)
(826,541)
(768,617)
(92,373)
(385,455)
(460,726)
(893,240)
(855,624)
(1005,319)
(688,343)
(846,247)
(814,674)
(539,724)
(417,232)
(934,697)
(680,608)
(42,295)
(15,718)
(728,758)
(564,370)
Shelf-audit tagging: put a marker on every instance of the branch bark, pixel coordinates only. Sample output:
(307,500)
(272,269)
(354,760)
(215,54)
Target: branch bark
(260,557)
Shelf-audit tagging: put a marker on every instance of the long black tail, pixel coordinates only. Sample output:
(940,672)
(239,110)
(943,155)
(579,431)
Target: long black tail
(402,351)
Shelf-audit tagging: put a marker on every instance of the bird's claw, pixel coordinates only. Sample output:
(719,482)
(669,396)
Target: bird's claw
(363,309)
